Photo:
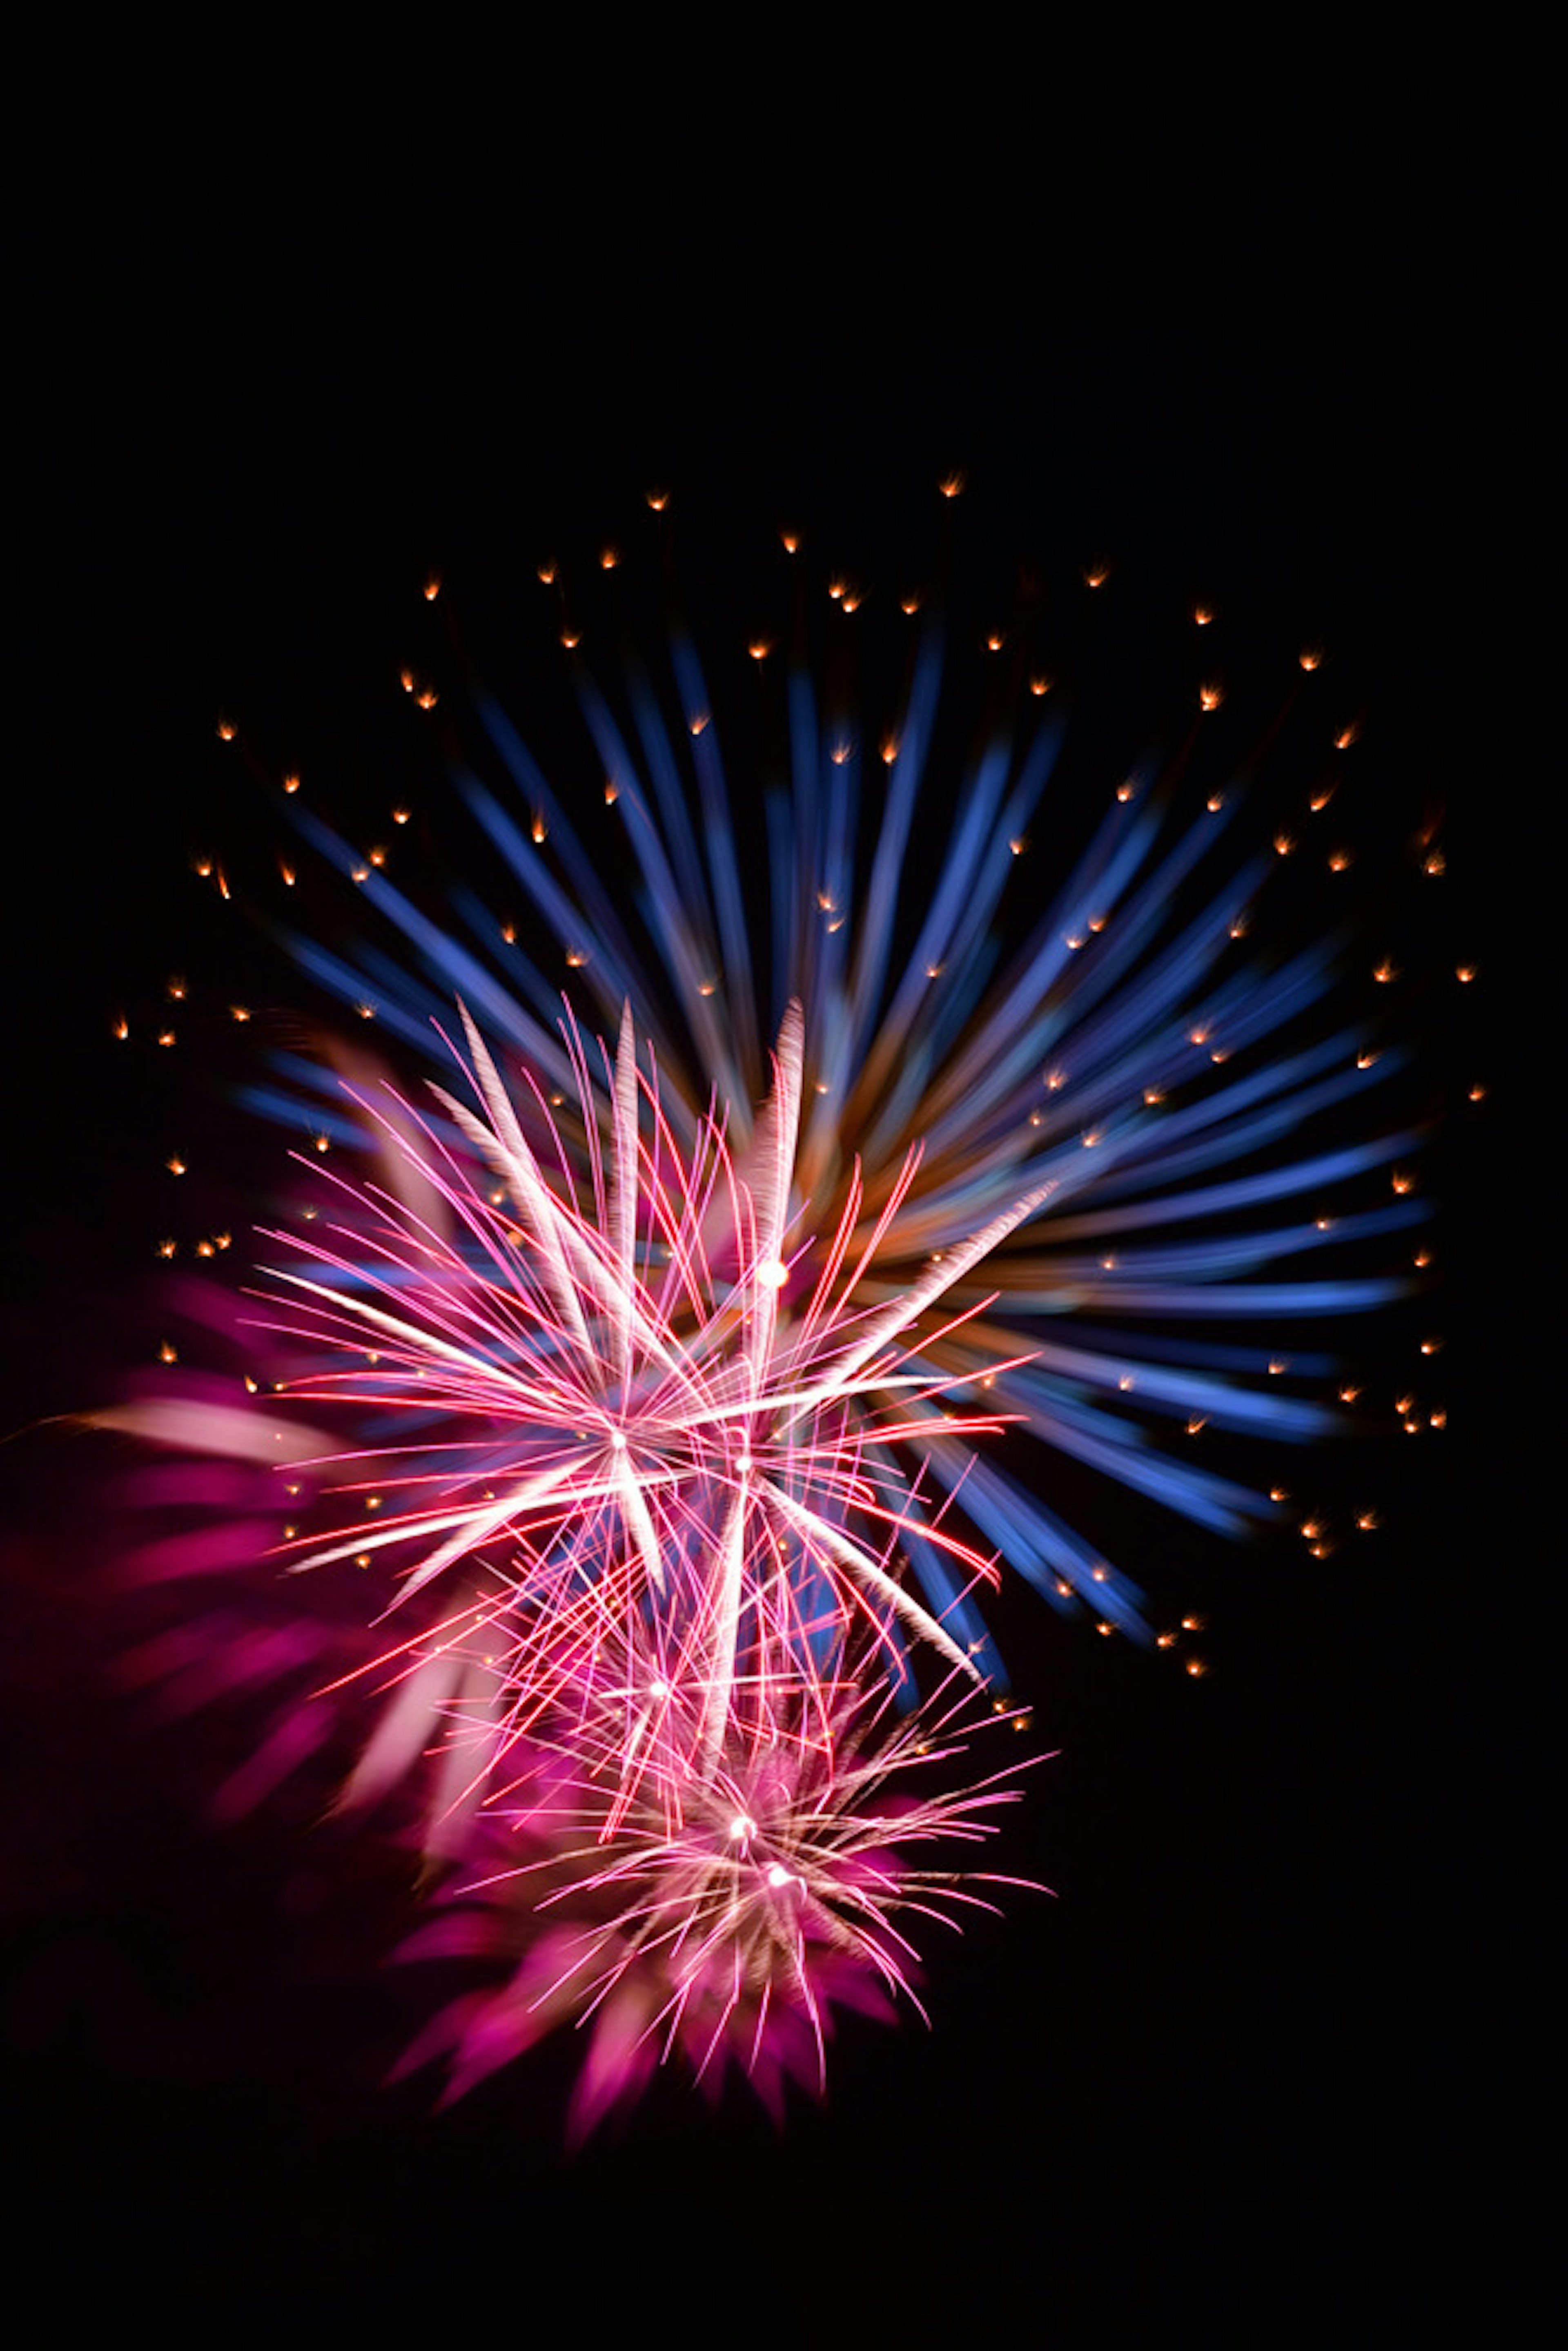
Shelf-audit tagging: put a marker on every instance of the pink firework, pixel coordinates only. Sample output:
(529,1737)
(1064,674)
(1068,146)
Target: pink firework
(726,1912)
(629,1492)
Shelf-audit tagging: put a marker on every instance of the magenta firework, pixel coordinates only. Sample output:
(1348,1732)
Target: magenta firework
(749,1205)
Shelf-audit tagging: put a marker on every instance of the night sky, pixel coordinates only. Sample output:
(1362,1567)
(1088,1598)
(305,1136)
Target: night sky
(1244,2079)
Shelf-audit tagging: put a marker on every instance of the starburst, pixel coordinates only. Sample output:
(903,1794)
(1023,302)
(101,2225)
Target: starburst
(633,1383)
(726,1914)
(576,1416)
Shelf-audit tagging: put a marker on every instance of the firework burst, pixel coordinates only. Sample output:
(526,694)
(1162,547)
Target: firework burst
(601,1420)
(1190,1114)
(726,1912)
(643,1384)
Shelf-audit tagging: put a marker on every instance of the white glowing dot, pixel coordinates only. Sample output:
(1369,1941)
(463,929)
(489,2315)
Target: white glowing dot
(742,1827)
(772,1272)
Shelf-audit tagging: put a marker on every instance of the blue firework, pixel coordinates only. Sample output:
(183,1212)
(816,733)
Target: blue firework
(985,1019)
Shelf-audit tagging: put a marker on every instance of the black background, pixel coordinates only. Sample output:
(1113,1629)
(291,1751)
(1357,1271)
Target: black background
(1249,2078)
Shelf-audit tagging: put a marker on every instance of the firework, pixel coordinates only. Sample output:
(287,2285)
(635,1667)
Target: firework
(636,1396)
(727,1911)
(614,1429)
(1190,1113)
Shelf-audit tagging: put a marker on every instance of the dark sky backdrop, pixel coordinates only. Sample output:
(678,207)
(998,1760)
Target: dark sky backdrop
(1244,2082)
